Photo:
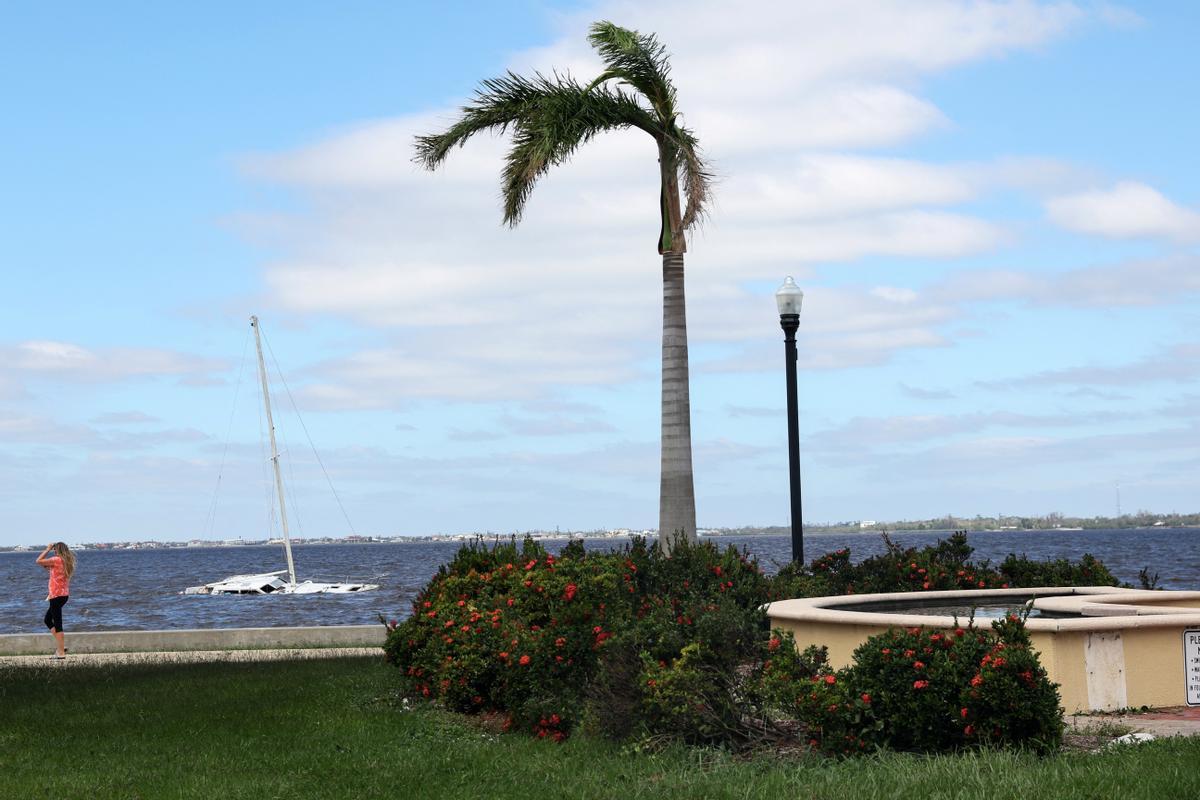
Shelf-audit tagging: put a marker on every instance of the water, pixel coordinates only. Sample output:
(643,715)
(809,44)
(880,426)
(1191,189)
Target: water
(138,589)
(963,611)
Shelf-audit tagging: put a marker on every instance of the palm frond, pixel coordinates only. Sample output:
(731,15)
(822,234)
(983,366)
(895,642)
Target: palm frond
(551,117)
(554,127)
(498,104)
(637,59)
(697,179)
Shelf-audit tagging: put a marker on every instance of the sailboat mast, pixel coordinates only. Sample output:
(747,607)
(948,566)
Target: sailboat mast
(262,374)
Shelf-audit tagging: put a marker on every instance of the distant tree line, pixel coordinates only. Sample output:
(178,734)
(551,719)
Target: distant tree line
(1140,519)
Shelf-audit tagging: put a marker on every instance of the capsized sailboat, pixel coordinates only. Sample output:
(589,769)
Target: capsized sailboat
(272,582)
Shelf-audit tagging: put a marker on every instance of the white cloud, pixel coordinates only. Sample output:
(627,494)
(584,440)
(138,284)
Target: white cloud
(770,90)
(1142,282)
(124,418)
(874,433)
(1179,363)
(74,363)
(1127,210)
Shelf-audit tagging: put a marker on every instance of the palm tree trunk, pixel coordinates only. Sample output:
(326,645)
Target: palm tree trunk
(677,494)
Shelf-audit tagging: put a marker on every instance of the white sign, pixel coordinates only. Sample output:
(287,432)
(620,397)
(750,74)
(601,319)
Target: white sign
(1191,666)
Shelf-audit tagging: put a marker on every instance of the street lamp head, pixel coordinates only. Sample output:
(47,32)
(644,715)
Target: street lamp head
(789,297)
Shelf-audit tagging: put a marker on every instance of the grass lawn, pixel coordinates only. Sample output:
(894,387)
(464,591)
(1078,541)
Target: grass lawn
(316,729)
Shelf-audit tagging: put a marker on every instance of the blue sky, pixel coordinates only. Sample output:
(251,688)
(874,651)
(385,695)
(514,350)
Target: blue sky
(992,207)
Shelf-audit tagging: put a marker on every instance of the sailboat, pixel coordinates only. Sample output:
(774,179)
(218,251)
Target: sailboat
(273,582)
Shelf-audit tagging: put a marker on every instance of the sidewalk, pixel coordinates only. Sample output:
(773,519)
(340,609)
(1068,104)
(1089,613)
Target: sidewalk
(189,657)
(1176,721)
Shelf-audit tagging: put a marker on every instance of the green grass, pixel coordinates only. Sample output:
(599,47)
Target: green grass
(315,729)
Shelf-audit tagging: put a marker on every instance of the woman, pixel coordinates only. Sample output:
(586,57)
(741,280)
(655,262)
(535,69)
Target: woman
(62,567)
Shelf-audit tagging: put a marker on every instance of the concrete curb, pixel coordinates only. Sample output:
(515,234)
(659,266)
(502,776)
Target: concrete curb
(89,642)
(186,657)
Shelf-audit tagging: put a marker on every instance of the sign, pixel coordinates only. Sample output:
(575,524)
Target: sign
(1191,666)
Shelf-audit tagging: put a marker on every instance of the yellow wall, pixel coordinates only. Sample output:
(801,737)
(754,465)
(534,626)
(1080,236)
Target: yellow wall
(1153,659)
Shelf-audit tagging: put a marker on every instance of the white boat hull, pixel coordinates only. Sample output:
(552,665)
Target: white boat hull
(271,583)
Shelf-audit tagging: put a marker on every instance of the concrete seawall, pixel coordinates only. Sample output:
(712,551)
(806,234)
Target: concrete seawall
(21,644)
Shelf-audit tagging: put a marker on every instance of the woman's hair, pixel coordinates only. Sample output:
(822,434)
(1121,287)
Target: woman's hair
(68,558)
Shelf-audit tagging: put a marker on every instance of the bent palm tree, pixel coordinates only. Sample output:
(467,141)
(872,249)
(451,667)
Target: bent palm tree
(550,118)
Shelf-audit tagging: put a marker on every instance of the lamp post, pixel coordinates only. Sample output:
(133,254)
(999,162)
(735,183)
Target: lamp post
(788,298)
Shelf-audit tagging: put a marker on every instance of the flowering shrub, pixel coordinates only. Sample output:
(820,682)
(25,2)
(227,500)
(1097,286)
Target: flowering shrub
(515,629)
(636,643)
(1022,571)
(934,690)
(1009,698)
(944,565)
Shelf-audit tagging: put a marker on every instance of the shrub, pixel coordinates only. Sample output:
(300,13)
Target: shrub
(1022,571)
(935,690)
(515,629)
(637,643)
(1010,699)
(944,565)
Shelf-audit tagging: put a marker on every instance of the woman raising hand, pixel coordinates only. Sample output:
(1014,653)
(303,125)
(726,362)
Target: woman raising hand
(62,567)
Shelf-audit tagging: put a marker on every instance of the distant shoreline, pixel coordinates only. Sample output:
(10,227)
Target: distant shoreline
(577,535)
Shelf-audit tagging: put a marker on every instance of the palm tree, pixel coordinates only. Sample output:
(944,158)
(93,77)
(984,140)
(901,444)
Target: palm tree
(550,117)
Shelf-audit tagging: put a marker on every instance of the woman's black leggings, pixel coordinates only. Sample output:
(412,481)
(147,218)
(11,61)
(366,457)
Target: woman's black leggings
(53,617)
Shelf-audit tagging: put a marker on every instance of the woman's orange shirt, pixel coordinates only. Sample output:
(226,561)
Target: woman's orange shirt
(60,584)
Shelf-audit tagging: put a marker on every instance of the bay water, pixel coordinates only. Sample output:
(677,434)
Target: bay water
(140,589)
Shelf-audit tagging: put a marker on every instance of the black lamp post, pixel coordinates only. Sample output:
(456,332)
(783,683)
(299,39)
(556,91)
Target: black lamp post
(788,298)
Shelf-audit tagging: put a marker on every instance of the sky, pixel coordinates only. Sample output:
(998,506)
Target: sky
(993,209)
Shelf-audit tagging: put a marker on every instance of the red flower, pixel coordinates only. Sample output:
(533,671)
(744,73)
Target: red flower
(510,601)
(978,679)
(504,654)
(829,679)
(462,603)
(970,729)
(920,684)
(964,713)
(866,698)
(524,661)
(959,632)
(559,642)
(773,644)
(569,594)
(918,665)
